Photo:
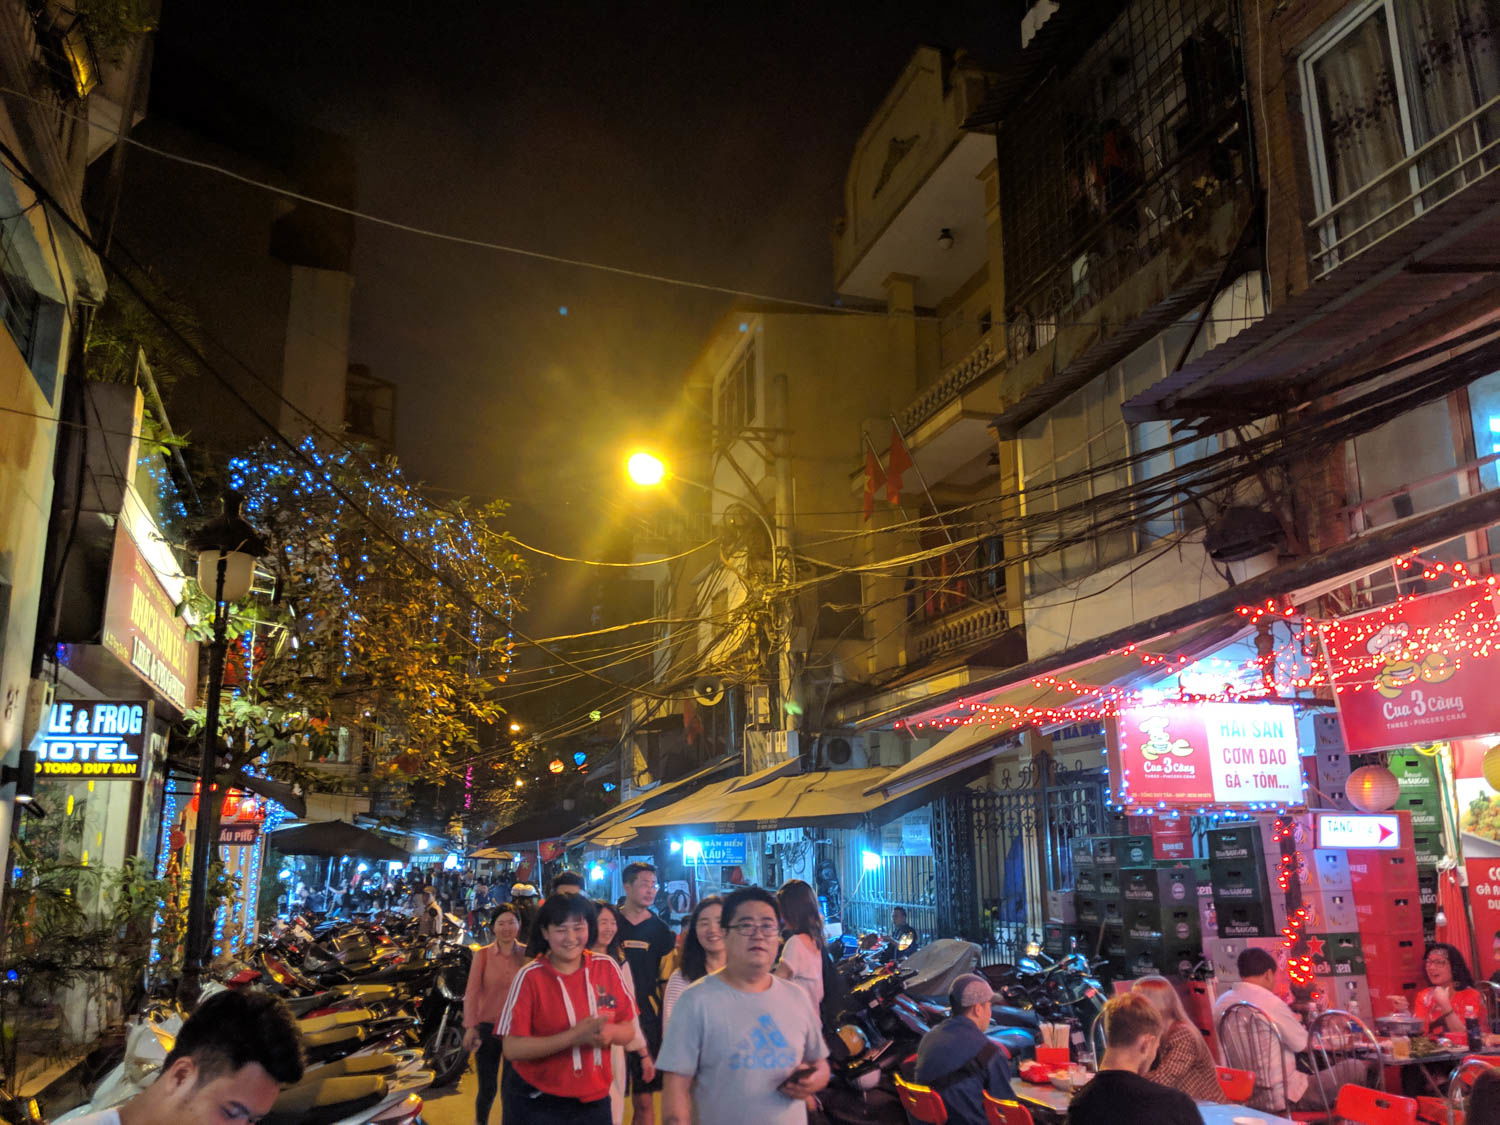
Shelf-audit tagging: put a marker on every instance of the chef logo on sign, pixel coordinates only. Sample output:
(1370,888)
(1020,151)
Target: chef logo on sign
(1159,743)
(1400,669)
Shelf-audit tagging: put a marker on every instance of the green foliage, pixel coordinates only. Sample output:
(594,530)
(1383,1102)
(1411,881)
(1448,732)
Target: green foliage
(69,928)
(365,635)
(115,24)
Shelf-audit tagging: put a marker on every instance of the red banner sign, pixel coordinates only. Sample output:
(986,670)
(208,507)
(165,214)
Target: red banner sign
(1417,671)
(142,628)
(1206,753)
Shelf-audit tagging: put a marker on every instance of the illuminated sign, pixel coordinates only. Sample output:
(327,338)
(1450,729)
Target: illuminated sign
(142,629)
(1206,753)
(103,740)
(232,835)
(1341,830)
(715,851)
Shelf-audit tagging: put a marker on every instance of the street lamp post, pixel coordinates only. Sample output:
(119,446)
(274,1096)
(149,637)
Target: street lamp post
(227,548)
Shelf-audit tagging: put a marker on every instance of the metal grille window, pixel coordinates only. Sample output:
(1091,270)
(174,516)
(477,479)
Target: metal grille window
(19,302)
(1068,456)
(1140,135)
(738,395)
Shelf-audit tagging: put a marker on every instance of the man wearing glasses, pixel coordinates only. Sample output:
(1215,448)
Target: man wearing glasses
(743,1045)
(644,939)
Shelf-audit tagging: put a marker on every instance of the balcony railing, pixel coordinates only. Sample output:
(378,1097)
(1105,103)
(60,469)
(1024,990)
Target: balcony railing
(1457,158)
(966,373)
(957,630)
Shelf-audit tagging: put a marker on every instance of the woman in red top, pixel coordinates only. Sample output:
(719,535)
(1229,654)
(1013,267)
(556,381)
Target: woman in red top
(566,1009)
(494,968)
(1445,1008)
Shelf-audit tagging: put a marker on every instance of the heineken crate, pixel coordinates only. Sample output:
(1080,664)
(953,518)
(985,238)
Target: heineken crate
(1337,954)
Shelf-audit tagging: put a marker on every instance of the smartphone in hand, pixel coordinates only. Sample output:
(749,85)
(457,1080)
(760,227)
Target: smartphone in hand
(802,1072)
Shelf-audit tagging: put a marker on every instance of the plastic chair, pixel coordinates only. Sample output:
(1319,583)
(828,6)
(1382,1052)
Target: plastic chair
(1461,1085)
(1237,1085)
(1340,1043)
(1489,992)
(1251,1042)
(997,1111)
(1365,1106)
(922,1103)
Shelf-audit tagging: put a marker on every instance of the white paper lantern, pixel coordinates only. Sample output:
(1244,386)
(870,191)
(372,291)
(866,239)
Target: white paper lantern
(1372,789)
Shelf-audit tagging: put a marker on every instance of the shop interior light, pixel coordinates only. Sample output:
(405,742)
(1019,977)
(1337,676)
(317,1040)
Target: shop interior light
(869,860)
(421,844)
(675,847)
(692,850)
(451,863)
(596,873)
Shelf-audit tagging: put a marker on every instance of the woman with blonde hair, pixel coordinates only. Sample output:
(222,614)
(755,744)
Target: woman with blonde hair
(1182,1059)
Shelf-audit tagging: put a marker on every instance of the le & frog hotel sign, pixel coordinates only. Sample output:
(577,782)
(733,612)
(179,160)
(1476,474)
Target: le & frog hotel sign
(142,629)
(97,739)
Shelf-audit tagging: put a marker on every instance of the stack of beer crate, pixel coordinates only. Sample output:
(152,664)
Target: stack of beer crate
(1421,800)
(1387,904)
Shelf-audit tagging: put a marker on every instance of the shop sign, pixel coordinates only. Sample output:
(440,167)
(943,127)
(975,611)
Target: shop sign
(1401,674)
(142,629)
(235,835)
(1484,896)
(715,851)
(1345,830)
(907,835)
(1206,753)
(102,740)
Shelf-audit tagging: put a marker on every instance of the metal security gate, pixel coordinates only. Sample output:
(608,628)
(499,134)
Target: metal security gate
(1000,850)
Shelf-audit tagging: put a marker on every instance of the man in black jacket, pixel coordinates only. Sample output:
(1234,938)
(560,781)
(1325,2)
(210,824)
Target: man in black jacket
(956,1058)
(1118,1094)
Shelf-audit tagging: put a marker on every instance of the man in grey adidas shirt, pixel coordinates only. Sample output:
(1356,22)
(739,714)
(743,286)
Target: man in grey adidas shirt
(743,1044)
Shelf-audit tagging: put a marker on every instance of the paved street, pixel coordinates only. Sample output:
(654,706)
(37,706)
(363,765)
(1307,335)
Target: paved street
(454,1105)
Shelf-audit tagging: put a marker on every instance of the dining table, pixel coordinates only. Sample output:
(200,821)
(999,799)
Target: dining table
(1053,1104)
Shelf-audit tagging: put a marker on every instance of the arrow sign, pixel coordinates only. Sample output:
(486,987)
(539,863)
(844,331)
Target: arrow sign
(1342,830)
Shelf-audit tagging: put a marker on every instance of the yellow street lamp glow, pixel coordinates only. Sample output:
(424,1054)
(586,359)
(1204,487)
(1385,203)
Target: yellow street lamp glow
(646,469)
(515,727)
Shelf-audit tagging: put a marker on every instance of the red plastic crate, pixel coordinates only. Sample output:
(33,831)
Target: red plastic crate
(1398,910)
(1381,872)
(1396,953)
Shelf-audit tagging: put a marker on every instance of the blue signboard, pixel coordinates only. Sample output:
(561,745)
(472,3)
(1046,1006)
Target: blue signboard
(715,851)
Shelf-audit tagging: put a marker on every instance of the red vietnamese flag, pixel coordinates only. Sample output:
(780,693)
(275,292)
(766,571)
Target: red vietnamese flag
(896,466)
(874,481)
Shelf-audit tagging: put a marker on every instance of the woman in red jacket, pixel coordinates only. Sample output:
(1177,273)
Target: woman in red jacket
(566,1009)
(494,968)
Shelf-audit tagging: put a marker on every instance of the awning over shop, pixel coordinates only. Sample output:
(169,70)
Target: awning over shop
(493,854)
(605,830)
(527,830)
(827,798)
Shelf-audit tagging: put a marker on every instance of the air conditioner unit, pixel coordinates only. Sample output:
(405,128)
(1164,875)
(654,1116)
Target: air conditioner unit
(842,750)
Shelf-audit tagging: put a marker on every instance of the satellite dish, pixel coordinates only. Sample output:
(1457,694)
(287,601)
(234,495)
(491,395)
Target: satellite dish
(708,691)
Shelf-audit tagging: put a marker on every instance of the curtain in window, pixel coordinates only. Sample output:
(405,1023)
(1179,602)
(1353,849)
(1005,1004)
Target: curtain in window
(1452,69)
(1360,116)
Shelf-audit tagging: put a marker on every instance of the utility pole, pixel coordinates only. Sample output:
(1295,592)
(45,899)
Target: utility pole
(784,566)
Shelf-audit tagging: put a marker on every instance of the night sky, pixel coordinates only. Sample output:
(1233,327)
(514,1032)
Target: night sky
(703,141)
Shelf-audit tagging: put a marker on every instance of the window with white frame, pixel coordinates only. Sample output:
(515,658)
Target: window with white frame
(1388,79)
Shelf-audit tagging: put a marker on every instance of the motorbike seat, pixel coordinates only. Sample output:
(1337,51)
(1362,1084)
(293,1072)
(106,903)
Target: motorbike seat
(375,1063)
(367,991)
(1014,1017)
(314,1024)
(301,1005)
(332,1036)
(319,1102)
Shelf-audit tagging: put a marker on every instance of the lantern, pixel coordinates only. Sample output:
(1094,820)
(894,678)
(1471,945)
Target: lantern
(555,765)
(1372,789)
(1492,766)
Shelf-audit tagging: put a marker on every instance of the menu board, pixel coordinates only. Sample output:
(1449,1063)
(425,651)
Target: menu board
(1206,753)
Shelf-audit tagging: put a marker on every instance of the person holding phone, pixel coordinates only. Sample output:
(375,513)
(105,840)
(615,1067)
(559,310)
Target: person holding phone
(743,1044)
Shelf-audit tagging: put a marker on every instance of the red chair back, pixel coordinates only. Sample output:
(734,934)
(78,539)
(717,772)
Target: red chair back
(922,1103)
(999,1112)
(1364,1106)
(1237,1085)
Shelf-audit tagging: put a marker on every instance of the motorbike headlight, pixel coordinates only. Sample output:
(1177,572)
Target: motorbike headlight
(853,1039)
